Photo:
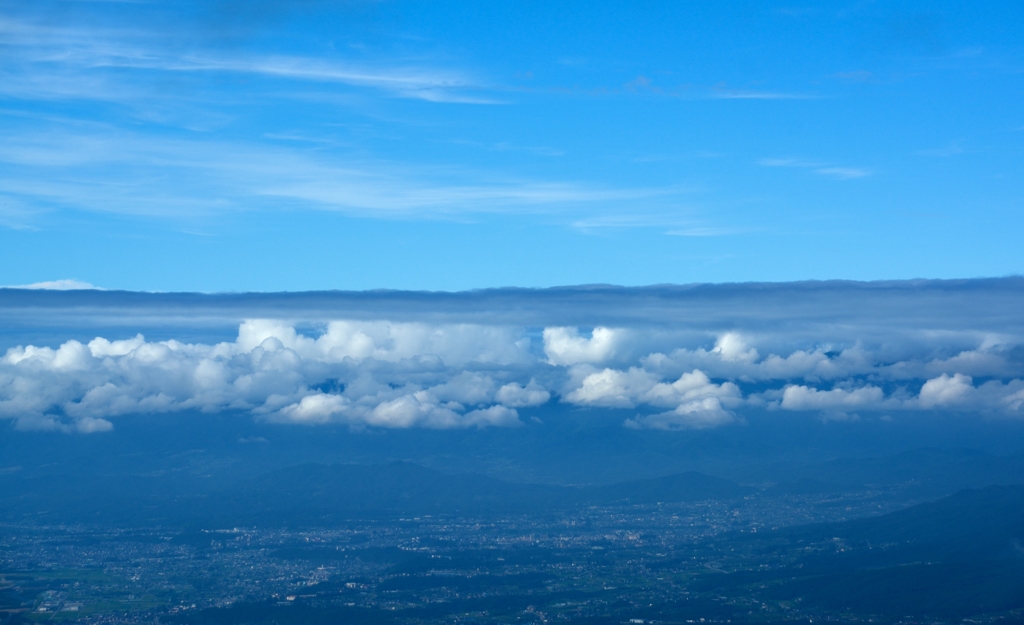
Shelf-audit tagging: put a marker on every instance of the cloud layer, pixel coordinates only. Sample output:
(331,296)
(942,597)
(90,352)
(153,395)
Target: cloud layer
(444,374)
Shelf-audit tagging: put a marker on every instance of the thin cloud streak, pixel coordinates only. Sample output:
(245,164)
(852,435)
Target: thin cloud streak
(722,94)
(113,170)
(819,168)
(45,50)
(843,173)
(67,284)
(224,176)
(654,219)
(707,231)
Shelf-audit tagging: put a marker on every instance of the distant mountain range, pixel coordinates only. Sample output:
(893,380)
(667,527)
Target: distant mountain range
(919,474)
(337,491)
(192,486)
(311,494)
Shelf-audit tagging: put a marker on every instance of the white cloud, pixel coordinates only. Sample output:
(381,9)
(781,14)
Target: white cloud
(314,409)
(946,390)
(800,397)
(89,425)
(693,415)
(733,358)
(1014,401)
(787,162)
(59,168)
(822,169)
(416,409)
(389,374)
(410,410)
(843,173)
(694,396)
(733,348)
(565,346)
(41,51)
(703,231)
(100,347)
(455,344)
(690,387)
(58,285)
(466,388)
(720,93)
(945,152)
(517,396)
(133,169)
(494,415)
(612,388)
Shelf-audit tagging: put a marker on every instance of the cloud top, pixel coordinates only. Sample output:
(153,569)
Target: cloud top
(677,357)
(59,285)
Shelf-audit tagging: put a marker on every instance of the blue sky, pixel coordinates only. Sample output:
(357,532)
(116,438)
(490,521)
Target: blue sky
(227,146)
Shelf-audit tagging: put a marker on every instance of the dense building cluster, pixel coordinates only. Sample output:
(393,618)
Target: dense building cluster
(625,563)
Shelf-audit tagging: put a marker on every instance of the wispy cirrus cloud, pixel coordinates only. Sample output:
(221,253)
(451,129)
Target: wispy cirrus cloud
(944,152)
(158,77)
(227,176)
(113,167)
(40,59)
(720,93)
(820,168)
(17,214)
(703,231)
(843,173)
(644,84)
(681,222)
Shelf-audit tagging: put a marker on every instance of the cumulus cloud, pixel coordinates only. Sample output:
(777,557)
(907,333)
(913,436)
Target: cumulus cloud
(798,397)
(518,396)
(697,401)
(88,425)
(611,388)
(946,390)
(373,373)
(455,344)
(732,357)
(732,348)
(417,409)
(1014,400)
(565,346)
(693,415)
(417,374)
(626,388)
